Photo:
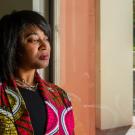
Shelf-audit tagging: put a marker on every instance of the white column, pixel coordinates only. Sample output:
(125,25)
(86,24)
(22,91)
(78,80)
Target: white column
(116,61)
(56,41)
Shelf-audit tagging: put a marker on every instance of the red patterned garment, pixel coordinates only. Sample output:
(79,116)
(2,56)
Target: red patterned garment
(15,118)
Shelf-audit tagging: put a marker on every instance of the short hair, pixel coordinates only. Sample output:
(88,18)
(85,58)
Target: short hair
(10,27)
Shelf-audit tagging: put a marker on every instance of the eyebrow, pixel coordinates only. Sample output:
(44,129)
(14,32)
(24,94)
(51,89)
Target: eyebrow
(33,33)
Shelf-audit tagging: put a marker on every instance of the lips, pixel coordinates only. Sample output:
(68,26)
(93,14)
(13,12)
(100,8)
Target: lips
(44,57)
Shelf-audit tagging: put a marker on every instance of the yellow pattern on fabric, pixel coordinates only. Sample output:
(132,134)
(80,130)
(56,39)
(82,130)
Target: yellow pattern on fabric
(7,126)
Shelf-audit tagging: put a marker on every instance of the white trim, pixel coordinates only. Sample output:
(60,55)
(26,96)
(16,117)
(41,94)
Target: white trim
(52,132)
(65,111)
(56,42)
(35,5)
(38,5)
(17,104)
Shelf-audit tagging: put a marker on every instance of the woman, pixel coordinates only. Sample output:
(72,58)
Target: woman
(28,104)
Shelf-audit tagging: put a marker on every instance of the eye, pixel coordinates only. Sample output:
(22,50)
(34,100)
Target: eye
(33,41)
(46,39)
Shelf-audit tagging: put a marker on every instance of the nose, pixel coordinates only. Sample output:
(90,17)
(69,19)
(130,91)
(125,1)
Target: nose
(44,45)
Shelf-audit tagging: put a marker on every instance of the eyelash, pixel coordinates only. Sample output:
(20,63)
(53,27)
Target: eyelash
(36,40)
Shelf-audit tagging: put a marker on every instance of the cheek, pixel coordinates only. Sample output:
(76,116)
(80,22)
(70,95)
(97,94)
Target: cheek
(31,50)
(49,48)
(30,54)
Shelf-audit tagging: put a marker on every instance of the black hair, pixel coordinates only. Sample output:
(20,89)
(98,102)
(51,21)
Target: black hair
(10,27)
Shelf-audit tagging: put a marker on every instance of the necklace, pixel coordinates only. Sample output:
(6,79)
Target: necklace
(25,85)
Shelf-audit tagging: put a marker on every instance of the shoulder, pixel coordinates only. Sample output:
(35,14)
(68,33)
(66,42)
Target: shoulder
(60,93)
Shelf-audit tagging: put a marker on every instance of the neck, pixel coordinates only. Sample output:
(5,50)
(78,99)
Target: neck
(26,75)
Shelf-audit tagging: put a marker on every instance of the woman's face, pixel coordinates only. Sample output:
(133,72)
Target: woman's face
(35,49)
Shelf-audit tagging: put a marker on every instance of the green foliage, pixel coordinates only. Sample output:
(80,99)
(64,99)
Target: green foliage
(133,25)
(134,48)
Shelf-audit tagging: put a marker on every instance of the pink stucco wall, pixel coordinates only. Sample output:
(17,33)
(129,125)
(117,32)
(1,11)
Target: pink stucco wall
(78,60)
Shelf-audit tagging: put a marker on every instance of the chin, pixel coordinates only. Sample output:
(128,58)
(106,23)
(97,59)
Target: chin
(42,66)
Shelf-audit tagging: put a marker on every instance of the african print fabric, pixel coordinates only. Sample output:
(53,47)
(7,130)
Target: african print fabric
(15,118)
